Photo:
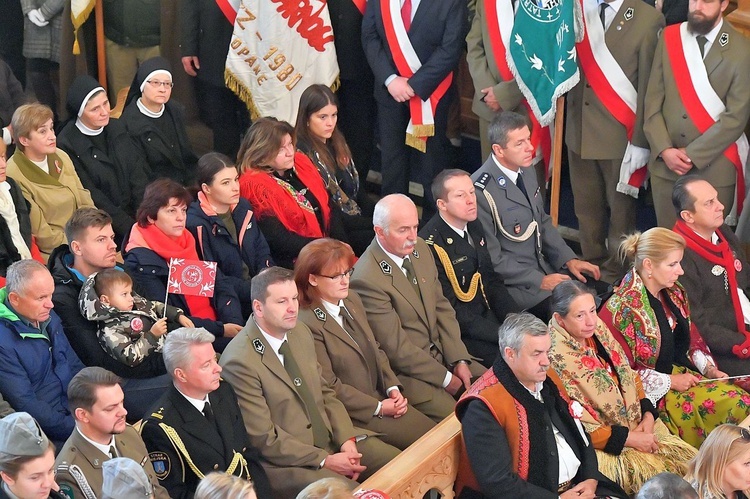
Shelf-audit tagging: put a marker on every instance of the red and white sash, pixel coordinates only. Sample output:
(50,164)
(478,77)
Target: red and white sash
(500,17)
(422,122)
(360,4)
(703,105)
(613,88)
(229,9)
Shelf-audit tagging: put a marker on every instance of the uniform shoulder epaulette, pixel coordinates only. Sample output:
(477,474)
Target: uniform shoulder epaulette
(483,180)
(430,240)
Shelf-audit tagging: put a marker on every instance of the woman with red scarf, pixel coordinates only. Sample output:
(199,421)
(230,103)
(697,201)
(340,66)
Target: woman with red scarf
(158,235)
(286,190)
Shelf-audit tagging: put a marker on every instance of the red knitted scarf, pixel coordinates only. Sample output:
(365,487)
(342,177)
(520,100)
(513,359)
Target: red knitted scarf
(719,254)
(181,247)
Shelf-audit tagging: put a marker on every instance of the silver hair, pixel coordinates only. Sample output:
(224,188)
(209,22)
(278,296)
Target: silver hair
(218,485)
(381,216)
(18,275)
(176,350)
(516,327)
(666,486)
(564,294)
(326,488)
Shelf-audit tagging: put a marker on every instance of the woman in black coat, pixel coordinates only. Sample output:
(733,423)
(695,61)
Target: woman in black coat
(157,124)
(107,161)
(15,226)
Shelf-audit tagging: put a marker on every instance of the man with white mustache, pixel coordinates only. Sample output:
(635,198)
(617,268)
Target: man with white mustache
(96,401)
(414,323)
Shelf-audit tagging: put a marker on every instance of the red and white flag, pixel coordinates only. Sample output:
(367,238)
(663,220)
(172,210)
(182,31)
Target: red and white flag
(191,277)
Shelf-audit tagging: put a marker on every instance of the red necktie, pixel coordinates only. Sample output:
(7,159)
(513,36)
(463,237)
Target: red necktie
(406,14)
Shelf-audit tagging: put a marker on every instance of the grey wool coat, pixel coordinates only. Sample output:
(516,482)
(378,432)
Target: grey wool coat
(43,42)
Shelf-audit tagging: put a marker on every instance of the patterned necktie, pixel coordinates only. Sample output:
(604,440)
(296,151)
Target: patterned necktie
(112,452)
(411,276)
(602,15)
(702,41)
(321,437)
(406,14)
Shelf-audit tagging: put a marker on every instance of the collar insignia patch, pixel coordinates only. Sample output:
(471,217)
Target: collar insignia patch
(385,267)
(259,346)
(320,314)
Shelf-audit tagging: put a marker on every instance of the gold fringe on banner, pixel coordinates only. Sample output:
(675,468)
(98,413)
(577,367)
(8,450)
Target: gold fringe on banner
(238,87)
(78,16)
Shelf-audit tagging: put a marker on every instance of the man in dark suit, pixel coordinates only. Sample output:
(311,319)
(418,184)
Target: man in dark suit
(470,283)
(526,249)
(206,33)
(433,33)
(357,108)
(291,413)
(522,439)
(197,427)
(415,325)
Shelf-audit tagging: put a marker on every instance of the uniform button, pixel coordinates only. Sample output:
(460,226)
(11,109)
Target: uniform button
(309,426)
(585,103)
(95,156)
(244,449)
(216,466)
(588,86)
(153,272)
(140,269)
(682,135)
(684,116)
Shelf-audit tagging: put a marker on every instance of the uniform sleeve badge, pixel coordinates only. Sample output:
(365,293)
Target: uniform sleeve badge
(162,464)
(67,491)
(259,346)
(385,267)
(320,314)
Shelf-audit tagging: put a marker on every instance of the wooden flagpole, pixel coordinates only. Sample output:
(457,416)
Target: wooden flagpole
(101,54)
(556,160)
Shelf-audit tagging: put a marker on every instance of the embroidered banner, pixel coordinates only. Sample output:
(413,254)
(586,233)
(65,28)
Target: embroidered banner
(278,49)
(542,53)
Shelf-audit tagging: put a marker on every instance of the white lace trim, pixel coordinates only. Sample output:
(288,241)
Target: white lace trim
(702,361)
(655,384)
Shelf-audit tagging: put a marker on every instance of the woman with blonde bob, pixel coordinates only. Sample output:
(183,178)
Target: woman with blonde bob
(224,486)
(590,367)
(649,315)
(721,470)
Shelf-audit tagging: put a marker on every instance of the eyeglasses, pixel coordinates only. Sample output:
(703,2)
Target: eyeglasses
(339,277)
(157,83)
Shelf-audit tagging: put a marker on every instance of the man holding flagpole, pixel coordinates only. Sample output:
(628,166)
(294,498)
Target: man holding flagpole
(495,87)
(413,47)
(607,148)
(697,106)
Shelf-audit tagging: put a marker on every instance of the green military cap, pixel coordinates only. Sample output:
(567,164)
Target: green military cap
(125,479)
(20,435)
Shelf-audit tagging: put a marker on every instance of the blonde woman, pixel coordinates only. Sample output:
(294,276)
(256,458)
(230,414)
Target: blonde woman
(649,315)
(721,470)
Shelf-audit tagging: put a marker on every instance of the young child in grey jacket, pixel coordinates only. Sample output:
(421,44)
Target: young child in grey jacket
(130,327)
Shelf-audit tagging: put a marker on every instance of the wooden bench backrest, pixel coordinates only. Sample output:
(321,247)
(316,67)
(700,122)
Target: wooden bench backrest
(429,463)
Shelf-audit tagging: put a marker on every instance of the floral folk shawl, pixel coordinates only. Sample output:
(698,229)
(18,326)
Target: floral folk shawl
(634,324)
(608,399)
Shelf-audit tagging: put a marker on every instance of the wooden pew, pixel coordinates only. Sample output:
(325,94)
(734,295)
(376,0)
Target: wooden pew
(429,463)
